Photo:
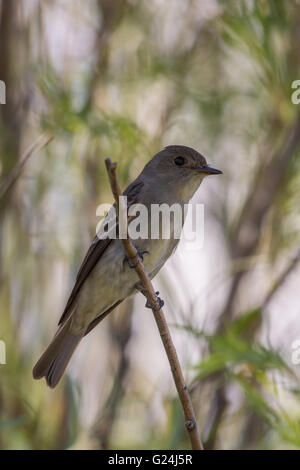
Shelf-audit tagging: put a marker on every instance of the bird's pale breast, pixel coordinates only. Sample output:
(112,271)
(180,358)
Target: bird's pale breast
(112,279)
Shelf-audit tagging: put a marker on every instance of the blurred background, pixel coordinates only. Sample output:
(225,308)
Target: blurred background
(123,79)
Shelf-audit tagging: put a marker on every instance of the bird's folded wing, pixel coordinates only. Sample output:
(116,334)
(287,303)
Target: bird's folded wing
(97,248)
(93,255)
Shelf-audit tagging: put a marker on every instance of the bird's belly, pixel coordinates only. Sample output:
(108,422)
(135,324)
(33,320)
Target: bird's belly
(112,279)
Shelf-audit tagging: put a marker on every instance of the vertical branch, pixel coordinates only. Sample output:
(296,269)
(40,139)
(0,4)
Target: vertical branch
(184,396)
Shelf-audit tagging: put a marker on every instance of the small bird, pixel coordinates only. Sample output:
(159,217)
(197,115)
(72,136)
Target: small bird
(105,279)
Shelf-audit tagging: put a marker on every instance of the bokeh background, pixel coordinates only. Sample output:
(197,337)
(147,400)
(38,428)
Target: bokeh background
(123,79)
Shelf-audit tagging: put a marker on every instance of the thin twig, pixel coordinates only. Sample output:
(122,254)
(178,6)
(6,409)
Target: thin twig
(184,396)
(14,174)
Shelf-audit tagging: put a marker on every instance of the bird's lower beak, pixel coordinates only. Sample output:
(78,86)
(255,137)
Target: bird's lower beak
(208,170)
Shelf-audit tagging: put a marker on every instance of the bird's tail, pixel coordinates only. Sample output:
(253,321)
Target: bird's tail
(55,359)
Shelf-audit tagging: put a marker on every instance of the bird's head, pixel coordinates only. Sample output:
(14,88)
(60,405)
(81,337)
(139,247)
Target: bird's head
(179,167)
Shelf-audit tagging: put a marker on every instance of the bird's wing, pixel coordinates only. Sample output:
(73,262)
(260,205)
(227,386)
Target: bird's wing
(95,252)
(101,317)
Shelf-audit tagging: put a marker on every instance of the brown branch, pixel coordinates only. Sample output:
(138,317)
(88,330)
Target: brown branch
(149,292)
(14,174)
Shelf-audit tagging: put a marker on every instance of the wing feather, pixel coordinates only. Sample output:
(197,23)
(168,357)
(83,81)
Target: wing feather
(94,254)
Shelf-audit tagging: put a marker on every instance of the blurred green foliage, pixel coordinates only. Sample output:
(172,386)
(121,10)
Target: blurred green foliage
(123,79)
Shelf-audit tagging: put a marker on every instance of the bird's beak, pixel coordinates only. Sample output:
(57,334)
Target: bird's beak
(208,170)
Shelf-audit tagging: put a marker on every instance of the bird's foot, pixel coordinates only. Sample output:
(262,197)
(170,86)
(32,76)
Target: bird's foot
(141,254)
(159,302)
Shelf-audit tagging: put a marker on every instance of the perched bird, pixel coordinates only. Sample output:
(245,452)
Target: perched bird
(105,279)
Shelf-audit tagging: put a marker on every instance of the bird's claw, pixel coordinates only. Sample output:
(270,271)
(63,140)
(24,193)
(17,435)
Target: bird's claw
(141,254)
(160,303)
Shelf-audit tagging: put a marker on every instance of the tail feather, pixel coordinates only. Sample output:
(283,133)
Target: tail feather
(55,359)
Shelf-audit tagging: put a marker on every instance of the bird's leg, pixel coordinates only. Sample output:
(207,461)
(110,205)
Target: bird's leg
(160,302)
(141,288)
(141,254)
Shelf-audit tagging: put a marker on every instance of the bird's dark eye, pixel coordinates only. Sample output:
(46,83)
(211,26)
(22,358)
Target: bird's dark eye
(179,161)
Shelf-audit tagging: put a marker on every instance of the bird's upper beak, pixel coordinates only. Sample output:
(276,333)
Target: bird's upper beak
(208,170)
